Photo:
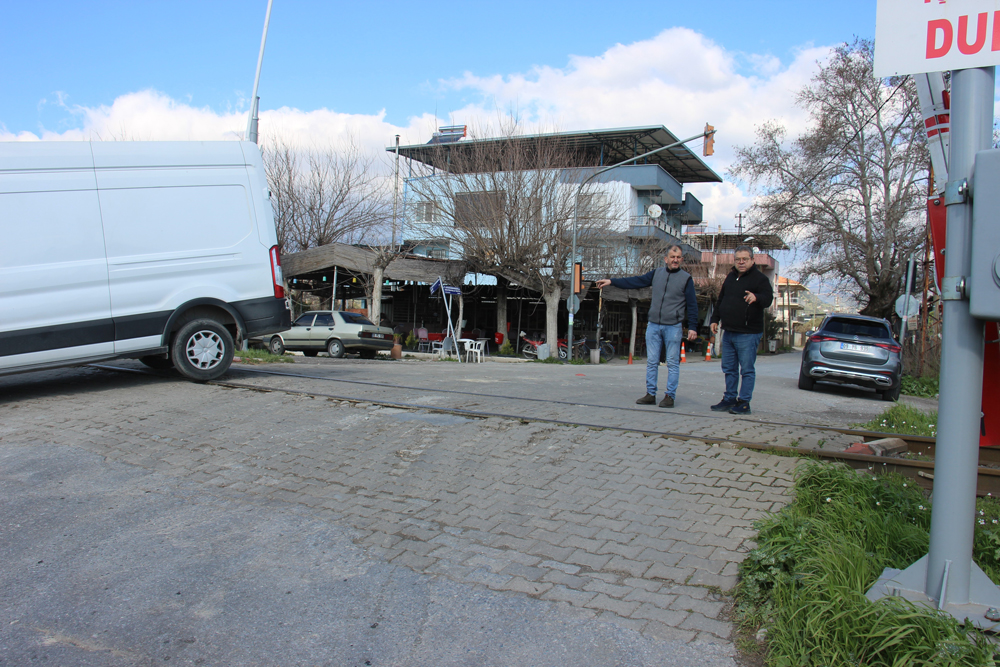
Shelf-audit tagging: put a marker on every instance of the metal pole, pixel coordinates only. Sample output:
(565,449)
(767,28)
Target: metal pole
(952,518)
(252,121)
(395,196)
(576,214)
(333,295)
(906,302)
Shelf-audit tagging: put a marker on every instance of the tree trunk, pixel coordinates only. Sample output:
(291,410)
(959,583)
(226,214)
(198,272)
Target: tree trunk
(552,294)
(461,316)
(375,301)
(634,307)
(502,305)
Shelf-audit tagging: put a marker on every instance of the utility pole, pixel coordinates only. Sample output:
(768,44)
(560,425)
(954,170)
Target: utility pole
(395,199)
(739,224)
(254,100)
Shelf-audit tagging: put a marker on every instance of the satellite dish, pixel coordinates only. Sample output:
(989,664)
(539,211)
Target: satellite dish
(654,211)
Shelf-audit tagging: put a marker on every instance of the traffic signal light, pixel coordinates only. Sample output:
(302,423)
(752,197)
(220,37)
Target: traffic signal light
(577,278)
(709,148)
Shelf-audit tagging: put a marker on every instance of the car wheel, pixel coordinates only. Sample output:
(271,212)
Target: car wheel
(202,350)
(158,362)
(276,346)
(335,348)
(310,353)
(805,382)
(367,354)
(891,394)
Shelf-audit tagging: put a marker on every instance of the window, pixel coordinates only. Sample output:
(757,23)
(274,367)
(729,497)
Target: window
(850,327)
(305,321)
(324,320)
(355,318)
(593,206)
(437,252)
(596,259)
(478,209)
(425,211)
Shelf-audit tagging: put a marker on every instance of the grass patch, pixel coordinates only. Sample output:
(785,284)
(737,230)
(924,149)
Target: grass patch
(816,558)
(548,360)
(902,418)
(925,387)
(255,355)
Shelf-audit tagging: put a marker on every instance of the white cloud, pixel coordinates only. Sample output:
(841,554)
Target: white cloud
(679,79)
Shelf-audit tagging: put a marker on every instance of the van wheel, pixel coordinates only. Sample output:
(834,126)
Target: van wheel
(202,350)
(276,346)
(157,361)
(805,382)
(335,349)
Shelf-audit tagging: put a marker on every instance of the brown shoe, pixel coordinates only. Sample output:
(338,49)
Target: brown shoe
(667,402)
(648,399)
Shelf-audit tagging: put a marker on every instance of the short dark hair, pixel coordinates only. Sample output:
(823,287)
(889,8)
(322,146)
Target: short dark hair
(671,247)
(743,248)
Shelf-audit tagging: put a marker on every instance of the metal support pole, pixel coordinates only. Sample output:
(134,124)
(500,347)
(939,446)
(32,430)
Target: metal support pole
(946,576)
(252,121)
(395,197)
(906,302)
(955,466)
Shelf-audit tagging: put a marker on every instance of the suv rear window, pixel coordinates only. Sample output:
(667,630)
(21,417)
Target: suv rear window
(355,318)
(849,327)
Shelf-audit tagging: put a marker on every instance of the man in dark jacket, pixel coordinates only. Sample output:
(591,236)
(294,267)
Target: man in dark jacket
(745,295)
(673,302)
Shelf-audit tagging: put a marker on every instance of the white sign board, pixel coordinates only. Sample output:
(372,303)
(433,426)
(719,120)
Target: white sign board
(915,36)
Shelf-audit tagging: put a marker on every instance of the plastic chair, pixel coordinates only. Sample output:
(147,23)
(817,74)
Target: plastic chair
(423,343)
(474,348)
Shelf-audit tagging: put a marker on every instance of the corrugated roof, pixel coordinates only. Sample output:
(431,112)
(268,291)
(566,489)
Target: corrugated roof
(591,148)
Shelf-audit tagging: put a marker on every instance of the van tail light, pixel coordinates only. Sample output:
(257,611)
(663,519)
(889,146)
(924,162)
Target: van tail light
(891,347)
(819,338)
(276,275)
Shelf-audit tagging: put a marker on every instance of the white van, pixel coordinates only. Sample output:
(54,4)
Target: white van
(162,251)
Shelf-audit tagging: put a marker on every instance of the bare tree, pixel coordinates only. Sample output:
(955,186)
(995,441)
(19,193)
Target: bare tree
(507,204)
(850,190)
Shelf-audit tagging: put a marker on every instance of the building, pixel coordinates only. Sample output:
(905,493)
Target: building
(788,310)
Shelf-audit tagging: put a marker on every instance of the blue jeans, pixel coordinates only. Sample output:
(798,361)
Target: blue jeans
(739,352)
(659,336)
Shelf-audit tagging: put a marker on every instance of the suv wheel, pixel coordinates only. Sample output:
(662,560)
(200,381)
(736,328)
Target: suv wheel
(202,350)
(891,394)
(805,382)
(335,349)
(276,346)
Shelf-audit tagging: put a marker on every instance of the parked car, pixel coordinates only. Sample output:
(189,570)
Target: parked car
(160,250)
(853,349)
(335,332)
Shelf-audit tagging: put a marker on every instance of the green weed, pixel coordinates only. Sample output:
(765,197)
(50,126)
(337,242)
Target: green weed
(926,386)
(815,559)
(255,355)
(902,418)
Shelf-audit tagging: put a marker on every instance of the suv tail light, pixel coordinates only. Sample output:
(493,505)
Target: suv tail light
(819,338)
(891,347)
(276,275)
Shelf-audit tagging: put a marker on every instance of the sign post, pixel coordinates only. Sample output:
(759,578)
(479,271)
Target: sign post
(921,37)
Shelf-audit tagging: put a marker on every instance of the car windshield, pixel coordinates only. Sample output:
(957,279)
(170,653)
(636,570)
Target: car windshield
(355,318)
(848,327)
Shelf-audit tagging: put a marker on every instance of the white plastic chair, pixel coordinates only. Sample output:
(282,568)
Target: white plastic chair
(423,343)
(474,348)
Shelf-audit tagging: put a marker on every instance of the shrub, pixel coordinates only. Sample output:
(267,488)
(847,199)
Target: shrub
(507,350)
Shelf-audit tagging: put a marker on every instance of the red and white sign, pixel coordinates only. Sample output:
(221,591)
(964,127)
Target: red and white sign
(915,36)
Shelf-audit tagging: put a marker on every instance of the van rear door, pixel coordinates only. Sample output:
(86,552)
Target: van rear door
(54,293)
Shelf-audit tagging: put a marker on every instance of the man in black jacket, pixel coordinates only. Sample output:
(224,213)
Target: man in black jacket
(673,301)
(745,295)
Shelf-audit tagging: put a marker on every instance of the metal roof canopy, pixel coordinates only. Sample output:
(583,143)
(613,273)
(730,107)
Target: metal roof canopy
(729,242)
(594,147)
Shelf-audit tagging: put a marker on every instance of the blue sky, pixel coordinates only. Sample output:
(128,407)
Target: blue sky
(362,72)
(357,57)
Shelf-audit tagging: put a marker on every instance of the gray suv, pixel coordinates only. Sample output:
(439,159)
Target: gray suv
(335,332)
(853,349)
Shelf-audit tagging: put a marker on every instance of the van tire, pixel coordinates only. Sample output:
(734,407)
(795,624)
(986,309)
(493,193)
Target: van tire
(276,346)
(335,348)
(158,362)
(202,350)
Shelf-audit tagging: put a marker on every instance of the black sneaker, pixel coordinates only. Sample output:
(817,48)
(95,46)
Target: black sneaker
(648,399)
(723,405)
(667,402)
(741,408)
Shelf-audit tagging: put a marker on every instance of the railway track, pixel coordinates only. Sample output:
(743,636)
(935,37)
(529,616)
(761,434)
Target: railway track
(917,462)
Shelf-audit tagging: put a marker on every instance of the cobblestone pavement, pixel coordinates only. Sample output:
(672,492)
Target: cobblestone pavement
(642,531)
(723,426)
